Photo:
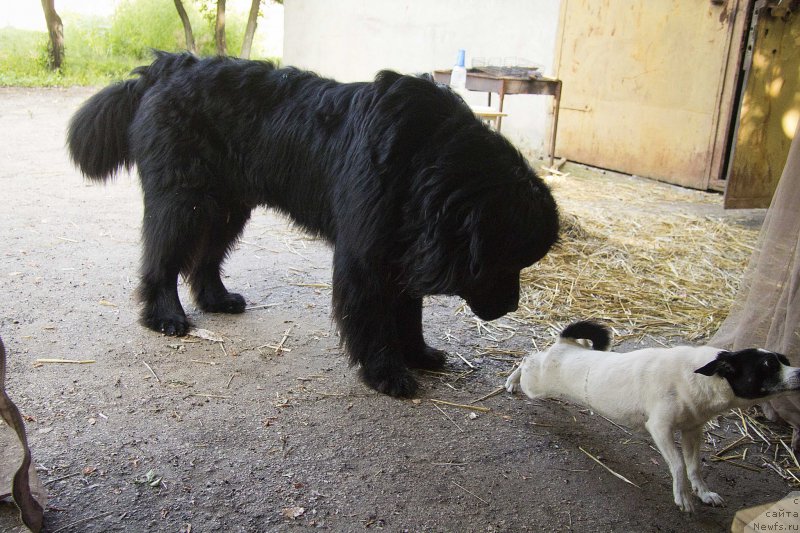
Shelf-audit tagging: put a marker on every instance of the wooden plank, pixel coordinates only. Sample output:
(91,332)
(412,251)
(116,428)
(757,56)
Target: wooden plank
(727,109)
(769,112)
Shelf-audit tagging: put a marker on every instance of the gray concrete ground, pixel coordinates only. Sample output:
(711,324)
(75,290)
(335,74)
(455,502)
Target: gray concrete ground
(270,430)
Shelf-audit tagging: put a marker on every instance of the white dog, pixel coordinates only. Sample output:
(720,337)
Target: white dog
(661,389)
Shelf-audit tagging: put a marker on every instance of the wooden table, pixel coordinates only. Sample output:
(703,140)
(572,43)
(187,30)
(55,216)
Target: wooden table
(502,85)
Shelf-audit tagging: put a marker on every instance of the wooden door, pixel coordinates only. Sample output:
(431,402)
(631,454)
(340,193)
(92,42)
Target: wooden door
(769,111)
(648,87)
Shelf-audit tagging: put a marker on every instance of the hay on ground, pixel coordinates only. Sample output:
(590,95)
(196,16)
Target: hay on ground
(638,256)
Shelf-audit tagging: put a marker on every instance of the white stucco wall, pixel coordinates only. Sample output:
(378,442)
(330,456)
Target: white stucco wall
(351,40)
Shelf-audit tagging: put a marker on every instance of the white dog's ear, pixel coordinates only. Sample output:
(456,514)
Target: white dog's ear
(719,366)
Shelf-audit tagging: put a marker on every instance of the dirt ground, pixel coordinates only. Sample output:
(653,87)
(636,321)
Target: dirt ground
(165,434)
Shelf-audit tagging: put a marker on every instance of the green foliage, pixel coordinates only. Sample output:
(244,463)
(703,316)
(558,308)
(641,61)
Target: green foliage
(23,60)
(139,25)
(21,52)
(99,50)
(206,12)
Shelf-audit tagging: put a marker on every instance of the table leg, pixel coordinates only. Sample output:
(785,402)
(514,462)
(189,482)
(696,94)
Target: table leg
(556,106)
(501,96)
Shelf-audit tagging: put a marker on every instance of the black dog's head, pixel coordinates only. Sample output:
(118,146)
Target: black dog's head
(476,215)
(754,373)
(508,230)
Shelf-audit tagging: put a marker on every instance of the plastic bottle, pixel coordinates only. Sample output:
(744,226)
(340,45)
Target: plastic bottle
(458,76)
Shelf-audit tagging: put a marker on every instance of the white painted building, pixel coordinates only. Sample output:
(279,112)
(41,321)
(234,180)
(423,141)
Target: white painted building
(351,40)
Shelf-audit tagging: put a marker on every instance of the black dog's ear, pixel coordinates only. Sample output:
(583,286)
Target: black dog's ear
(407,112)
(719,366)
(475,246)
(385,79)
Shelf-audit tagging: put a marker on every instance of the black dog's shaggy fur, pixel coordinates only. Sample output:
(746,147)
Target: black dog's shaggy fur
(416,195)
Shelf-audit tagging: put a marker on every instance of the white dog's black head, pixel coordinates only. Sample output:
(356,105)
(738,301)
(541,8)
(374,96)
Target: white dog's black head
(754,373)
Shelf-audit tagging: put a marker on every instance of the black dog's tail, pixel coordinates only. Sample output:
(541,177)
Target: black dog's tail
(599,334)
(97,137)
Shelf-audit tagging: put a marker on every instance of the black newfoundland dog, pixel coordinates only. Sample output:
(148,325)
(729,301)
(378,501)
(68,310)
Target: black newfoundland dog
(415,194)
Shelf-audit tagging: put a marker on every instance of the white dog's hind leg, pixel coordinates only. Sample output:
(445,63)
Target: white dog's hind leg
(512,383)
(663,437)
(691,439)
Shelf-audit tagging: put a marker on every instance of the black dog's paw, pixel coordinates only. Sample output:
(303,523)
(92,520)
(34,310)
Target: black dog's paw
(229,302)
(398,383)
(172,324)
(428,358)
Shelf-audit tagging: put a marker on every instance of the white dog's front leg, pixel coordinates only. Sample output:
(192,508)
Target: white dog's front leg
(691,440)
(663,437)
(512,383)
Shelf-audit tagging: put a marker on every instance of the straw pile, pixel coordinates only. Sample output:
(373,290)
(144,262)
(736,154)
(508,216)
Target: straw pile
(637,255)
(760,445)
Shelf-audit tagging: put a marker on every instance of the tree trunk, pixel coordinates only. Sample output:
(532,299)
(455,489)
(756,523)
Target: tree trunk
(219,30)
(56,30)
(187,27)
(250,30)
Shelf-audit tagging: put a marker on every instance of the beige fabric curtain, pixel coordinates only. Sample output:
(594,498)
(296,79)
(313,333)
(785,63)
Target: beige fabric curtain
(766,312)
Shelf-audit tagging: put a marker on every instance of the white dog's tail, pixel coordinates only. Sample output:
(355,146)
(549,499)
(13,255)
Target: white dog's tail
(599,334)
